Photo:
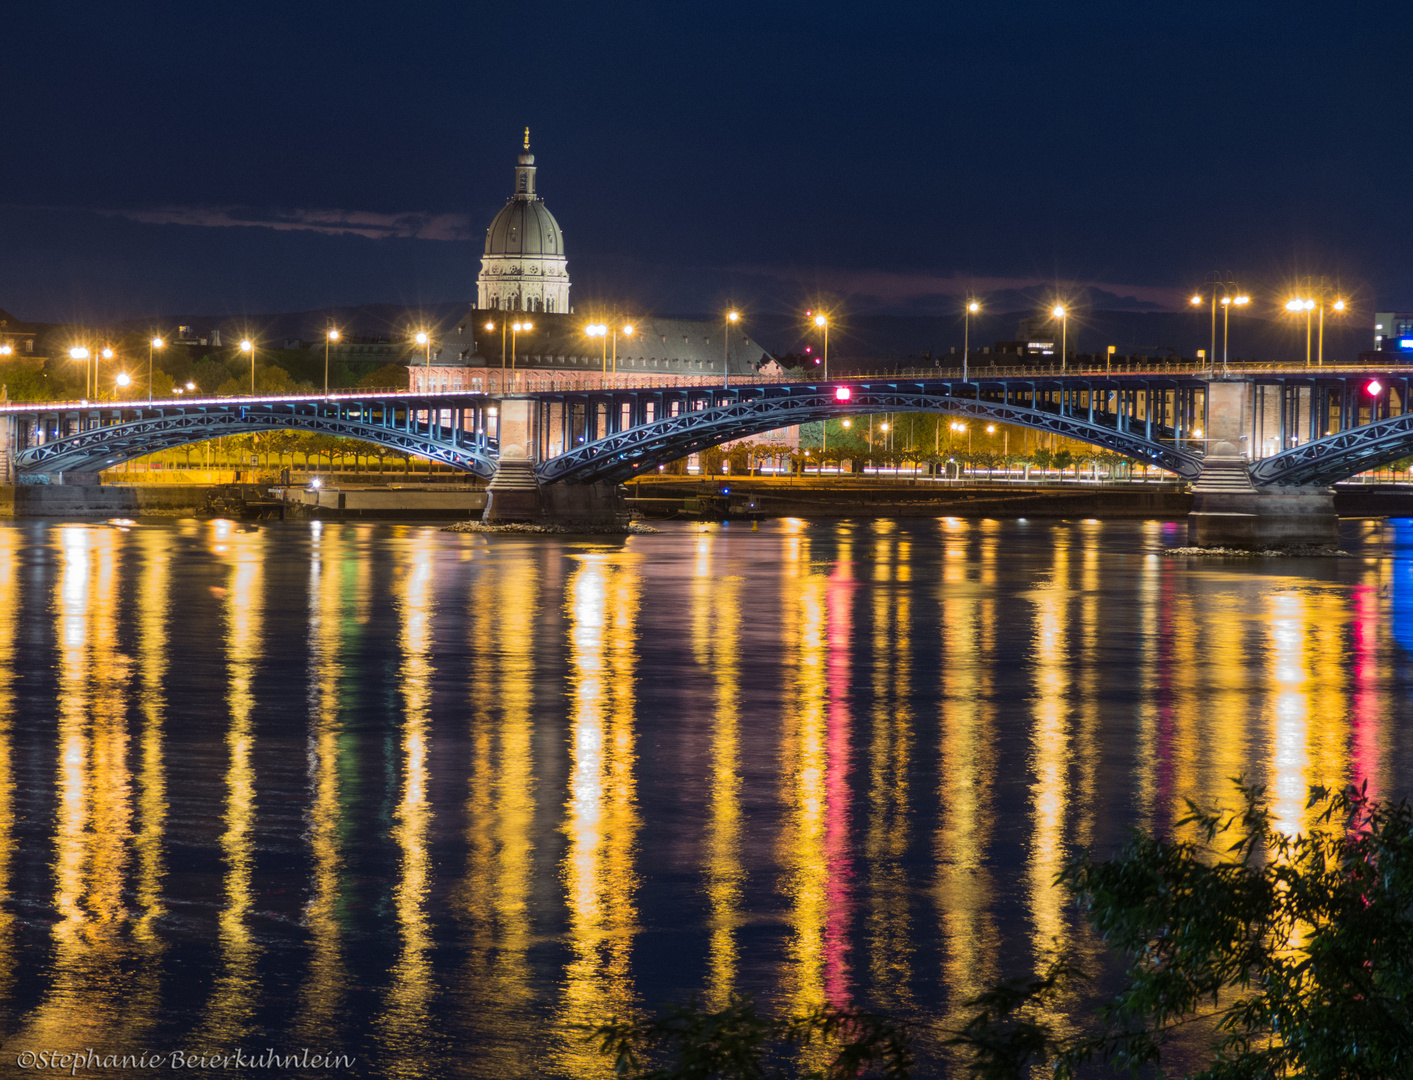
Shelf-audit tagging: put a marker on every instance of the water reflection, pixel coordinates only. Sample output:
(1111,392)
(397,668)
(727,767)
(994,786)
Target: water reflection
(716,645)
(963,885)
(404,1025)
(234,1001)
(338,594)
(9,612)
(601,814)
(496,895)
(891,940)
(818,763)
(815,846)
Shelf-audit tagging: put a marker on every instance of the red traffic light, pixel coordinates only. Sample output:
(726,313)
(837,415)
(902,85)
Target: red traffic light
(1373,388)
(843,393)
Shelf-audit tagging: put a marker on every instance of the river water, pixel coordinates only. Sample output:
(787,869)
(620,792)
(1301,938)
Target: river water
(430,800)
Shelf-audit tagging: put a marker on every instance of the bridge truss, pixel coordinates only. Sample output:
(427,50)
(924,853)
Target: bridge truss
(619,435)
(92,438)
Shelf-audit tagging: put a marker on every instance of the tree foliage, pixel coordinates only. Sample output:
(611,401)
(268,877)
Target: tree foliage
(737,1041)
(1295,949)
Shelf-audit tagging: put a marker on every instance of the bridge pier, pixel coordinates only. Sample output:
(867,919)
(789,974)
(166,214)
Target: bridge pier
(1230,511)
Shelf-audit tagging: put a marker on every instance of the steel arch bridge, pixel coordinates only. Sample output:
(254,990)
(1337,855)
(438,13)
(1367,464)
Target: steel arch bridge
(93,438)
(1336,457)
(1096,411)
(614,433)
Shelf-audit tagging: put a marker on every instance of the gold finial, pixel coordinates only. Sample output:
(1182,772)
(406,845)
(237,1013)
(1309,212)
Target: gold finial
(527,138)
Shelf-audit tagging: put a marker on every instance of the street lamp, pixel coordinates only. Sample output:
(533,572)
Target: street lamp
(330,336)
(972,308)
(123,381)
(600,330)
(1295,306)
(517,328)
(155,343)
(732,317)
(107,354)
(425,340)
(78,352)
(1060,313)
(1227,303)
(249,346)
(822,321)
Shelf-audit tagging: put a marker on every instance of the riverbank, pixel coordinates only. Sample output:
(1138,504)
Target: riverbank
(771,497)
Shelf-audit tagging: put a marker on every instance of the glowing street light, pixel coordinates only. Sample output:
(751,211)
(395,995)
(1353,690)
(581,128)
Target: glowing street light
(822,322)
(972,308)
(78,352)
(330,336)
(155,342)
(249,346)
(105,353)
(6,350)
(123,379)
(732,317)
(518,328)
(1060,313)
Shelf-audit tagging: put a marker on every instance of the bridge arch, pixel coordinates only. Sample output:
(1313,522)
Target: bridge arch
(111,444)
(1328,460)
(625,454)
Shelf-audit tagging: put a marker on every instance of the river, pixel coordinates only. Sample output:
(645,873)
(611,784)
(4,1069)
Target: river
(430,800)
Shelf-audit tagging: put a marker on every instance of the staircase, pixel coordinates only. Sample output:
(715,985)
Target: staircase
(514,492)
(1224,476)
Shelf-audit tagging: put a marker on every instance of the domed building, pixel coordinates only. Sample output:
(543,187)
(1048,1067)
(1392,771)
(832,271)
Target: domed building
(496,347)
(524,267)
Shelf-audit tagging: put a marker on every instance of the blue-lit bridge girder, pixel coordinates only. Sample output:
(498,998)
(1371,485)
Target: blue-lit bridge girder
(451,432)
(1366,431)
(1102,412)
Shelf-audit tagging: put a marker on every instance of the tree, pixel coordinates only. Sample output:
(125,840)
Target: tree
(1295,949)
(387,377)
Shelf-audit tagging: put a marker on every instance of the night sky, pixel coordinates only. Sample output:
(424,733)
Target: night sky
(274,156)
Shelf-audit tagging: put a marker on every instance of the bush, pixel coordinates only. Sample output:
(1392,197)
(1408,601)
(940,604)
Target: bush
(1296,947)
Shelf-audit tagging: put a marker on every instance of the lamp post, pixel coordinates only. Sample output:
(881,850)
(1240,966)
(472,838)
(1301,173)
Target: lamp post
(1060,313)
(330,336)
(972,308)
(1295,306)
(155,343)
(627,332)
(822,321)
(600,330)
(425,340)
(732,317)
(517,328)
(249,346)
(104,353)
(122,382)
(78,352)
(1227,304)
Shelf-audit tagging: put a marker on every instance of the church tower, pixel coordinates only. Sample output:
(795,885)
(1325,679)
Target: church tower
(523,267)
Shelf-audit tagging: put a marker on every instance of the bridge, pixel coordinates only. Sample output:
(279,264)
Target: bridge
(1239,435)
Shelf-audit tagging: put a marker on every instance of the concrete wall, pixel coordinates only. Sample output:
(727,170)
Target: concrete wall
(108,500)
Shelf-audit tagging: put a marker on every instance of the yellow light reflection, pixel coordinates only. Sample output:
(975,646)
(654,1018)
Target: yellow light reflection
(716,630)
(406,1015)
(337,588)
(601,812)
(496,895)
(814,851)
(93,992)
(966,767)
(9,608)
(231,1011)
(1050,749)
(889,931)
